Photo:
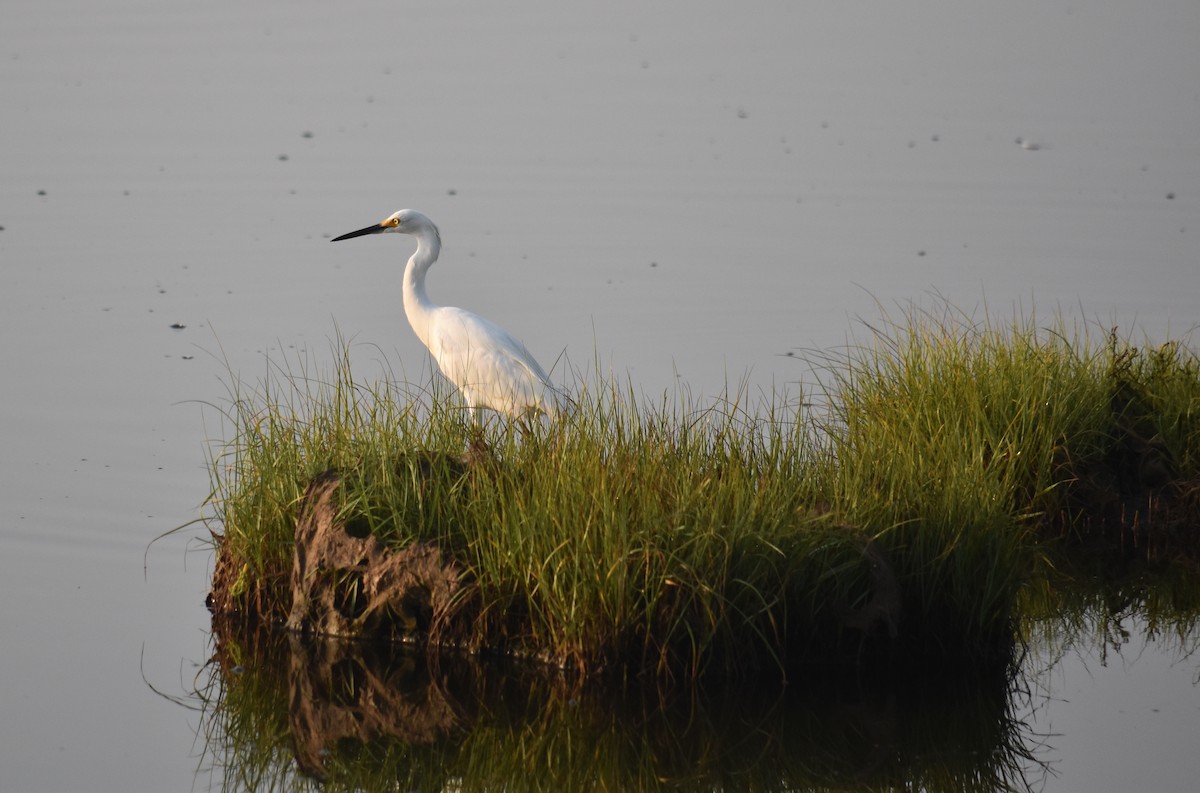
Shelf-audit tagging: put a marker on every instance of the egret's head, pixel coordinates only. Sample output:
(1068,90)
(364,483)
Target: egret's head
(406,221)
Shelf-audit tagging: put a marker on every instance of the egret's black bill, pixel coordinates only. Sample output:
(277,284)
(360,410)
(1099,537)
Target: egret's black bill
(361,232)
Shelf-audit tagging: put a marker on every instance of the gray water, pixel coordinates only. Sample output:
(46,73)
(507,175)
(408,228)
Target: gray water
(688,193)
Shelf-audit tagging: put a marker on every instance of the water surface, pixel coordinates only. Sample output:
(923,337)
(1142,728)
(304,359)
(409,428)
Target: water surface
(684,192)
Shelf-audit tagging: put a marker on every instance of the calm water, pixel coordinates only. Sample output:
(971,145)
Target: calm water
(684,192)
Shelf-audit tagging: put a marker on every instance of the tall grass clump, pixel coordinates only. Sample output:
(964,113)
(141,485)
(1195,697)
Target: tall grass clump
(632,534)
(949,457)
(657,532)
(294,425)
(961,446)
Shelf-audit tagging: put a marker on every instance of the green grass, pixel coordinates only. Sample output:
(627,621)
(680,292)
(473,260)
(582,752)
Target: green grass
(660,533)
(949,437)
(675,539)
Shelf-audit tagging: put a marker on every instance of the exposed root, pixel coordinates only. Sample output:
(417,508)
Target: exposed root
(356,587)
(240,594)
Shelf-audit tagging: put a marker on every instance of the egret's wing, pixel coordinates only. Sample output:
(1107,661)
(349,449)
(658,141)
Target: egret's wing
(490,365)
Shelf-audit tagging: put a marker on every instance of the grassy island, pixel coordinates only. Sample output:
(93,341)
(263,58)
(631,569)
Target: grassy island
(894,514)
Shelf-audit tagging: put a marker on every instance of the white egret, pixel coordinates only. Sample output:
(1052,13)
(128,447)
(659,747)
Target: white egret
(487,363)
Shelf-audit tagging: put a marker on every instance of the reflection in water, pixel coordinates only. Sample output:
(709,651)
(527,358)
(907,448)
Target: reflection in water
(282,712)
(1105,632)
(1094,604)
(341,694)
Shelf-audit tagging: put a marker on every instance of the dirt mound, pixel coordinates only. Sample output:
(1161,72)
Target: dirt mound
(358,587)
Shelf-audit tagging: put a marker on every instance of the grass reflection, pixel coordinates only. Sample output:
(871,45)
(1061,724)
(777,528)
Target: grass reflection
(289,713)
(1089,602)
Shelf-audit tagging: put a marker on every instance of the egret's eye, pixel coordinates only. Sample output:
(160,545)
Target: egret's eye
(393,222)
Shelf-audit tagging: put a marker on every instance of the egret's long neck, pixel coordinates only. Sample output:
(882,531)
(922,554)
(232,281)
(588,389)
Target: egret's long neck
(417,305)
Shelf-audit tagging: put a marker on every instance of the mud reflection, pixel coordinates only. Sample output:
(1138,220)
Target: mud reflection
(340,693)
(285,712)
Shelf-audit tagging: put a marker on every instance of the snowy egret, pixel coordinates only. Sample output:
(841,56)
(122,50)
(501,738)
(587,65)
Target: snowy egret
(487,363)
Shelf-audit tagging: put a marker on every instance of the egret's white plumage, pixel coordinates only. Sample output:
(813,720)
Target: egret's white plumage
(489,365)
